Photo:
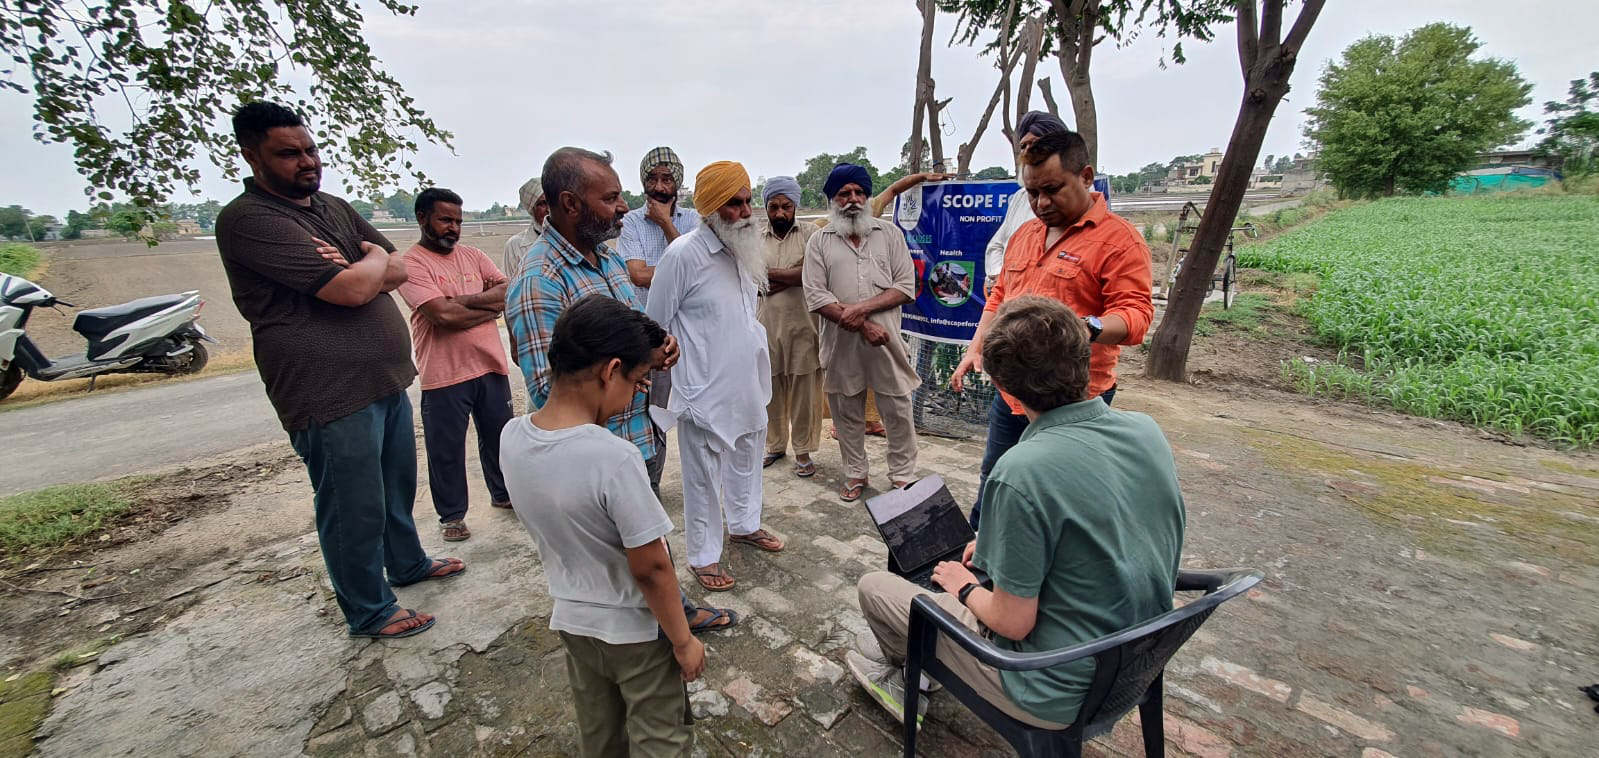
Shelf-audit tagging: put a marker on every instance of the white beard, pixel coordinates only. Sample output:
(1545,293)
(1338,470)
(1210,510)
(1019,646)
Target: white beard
(743,240)
(850,222)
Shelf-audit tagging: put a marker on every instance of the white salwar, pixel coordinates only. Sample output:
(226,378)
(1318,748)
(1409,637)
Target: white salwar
(720,387)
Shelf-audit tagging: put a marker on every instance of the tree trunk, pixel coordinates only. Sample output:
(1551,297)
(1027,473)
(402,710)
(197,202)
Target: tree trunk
(1049,96)
(1267,63)
(936,132)
(1085,112)
(1076,21)
(1031,41)
(924,84)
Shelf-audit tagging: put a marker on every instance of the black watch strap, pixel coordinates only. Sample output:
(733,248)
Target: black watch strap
(966,591)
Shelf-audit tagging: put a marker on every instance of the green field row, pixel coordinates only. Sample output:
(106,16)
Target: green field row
(1479,309)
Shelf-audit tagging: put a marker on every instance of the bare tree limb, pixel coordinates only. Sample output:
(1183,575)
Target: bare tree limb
(1271,23)
(1301,28)
(1049,97)
(1033,40)
(1248,35)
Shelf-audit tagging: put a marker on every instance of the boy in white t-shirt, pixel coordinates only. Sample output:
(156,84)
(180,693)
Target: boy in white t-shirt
(584,496)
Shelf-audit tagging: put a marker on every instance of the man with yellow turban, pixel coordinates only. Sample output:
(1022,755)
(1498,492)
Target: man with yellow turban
(704,292)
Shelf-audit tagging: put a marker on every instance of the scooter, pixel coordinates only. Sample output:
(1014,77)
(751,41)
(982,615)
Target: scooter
(158,334)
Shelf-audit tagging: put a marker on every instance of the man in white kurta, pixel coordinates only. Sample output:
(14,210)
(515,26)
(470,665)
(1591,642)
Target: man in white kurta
(704,293)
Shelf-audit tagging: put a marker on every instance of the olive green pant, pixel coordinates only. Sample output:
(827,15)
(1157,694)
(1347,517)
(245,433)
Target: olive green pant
(630,699)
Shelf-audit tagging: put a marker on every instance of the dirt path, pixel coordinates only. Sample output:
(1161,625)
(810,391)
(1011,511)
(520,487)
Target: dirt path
(1429,591)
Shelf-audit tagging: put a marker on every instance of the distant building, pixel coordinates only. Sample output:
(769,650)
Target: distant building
(1302,176)
(382,215)
(1505,161)
(188,227)
(1190,176)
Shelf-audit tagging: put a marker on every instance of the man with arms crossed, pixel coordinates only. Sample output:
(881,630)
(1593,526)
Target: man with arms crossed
(312,277)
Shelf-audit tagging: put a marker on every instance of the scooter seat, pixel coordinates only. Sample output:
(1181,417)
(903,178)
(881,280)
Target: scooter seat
(98,322)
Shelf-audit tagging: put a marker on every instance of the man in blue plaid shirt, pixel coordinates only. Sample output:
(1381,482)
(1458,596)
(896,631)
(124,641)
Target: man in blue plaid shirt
(569,262)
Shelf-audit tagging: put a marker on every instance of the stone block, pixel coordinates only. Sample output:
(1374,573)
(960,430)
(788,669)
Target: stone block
(382,712)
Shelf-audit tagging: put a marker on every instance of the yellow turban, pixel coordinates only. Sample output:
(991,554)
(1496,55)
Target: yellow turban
(718,183)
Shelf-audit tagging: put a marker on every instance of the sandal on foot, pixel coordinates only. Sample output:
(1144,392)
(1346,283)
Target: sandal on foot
(720,618)
(455,531)
(713,571)
(805,470)
(759,538)
(443,568)
(852,490)
(876,431)
(401,621)
(771,458)
(506,504)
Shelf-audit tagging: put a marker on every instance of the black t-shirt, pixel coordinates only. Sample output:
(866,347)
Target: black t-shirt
(320,361)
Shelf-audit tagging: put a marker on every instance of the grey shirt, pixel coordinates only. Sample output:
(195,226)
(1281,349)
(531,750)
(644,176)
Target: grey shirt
(583,494)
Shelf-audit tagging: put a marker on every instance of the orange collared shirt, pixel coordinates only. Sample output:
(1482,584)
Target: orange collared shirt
(1099,267)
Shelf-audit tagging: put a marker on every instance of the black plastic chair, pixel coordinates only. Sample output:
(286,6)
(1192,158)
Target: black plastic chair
(1128,668)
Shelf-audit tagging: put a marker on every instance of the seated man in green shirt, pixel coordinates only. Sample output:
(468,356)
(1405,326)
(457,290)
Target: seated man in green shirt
(1082,541)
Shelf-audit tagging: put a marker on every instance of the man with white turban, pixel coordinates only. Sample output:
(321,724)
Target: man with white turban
(858,272)
(532,200)
(794,414)
(704,293)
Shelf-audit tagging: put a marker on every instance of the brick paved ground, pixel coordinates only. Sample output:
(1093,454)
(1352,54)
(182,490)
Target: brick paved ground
(1429,592)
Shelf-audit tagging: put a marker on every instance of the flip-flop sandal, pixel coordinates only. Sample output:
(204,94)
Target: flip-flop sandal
(439,564)
(878,432)
(805,470)
(771,458)
(720,573)
(713,623)
(759,538)
(851,492)
(379,635)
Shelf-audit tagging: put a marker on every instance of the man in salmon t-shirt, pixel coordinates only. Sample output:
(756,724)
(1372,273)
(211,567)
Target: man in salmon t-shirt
(456,294)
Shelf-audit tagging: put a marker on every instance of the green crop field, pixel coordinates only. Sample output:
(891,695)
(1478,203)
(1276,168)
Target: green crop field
(1479,309)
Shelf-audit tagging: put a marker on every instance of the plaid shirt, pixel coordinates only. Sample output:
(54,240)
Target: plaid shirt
(552,276)
(642,240)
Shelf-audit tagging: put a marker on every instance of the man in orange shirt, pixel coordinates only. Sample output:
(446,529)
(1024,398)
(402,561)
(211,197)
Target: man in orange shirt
(1075,251)
(456,295)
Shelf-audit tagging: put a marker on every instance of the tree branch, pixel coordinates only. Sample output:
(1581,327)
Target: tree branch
(1271,23)
(1248,39)
(1301,28)
(1049,97)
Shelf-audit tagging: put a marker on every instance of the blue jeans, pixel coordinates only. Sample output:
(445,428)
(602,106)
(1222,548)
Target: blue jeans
(1004,430)
(363,470)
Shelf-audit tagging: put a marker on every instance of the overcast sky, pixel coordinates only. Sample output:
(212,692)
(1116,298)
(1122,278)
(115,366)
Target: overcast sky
(773,83)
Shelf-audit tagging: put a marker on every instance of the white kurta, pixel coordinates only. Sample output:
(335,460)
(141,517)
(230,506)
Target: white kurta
(720,387)
(1018,211)
(723,380)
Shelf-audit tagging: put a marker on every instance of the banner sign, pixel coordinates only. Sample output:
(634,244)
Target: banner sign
(948,226)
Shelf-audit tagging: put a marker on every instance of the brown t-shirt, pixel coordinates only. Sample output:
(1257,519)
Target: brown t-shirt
(320,362)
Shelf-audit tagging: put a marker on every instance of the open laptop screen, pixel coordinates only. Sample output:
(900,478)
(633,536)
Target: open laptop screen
(920,523)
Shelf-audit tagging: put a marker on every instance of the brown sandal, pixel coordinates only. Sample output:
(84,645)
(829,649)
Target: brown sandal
(713,571)
(852,490)
(455,531)
(759,538)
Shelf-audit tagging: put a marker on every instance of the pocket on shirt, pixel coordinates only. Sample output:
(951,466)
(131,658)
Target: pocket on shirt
(1064,270)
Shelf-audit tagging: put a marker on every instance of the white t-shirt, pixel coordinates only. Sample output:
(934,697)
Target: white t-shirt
(583,494)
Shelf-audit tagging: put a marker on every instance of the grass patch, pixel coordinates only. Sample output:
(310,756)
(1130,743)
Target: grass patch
(1339,380)
(1244,316)
(24,702)
(18,259)
(35,522)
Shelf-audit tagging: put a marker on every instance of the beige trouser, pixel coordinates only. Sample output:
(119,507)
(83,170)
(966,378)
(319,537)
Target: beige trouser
(630,699)
(886,603)
(795,408)
(850,422)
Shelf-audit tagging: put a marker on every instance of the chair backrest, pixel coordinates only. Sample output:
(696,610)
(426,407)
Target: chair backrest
(1134,658)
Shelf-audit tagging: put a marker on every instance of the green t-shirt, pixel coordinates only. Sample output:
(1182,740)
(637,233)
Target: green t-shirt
(1084,513)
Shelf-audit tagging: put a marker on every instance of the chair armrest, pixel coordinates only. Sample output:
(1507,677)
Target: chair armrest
(925,612)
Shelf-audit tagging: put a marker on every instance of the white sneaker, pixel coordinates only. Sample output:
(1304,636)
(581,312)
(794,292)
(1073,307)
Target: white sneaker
(886,685)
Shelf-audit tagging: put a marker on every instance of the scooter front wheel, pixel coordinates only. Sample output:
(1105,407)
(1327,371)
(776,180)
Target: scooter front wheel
(9,380)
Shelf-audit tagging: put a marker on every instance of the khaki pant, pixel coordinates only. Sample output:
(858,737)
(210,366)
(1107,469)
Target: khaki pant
(794,414)
(900,427)
(886,603)
(630,699)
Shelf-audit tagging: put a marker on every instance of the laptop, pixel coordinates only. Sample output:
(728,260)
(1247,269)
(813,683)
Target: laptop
(922,526)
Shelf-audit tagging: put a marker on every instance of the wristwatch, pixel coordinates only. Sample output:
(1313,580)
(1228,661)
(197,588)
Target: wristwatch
(1094,327)
(967,590)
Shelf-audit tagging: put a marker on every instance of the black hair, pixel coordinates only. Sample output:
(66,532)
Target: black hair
(563,172)
(432,195)
(1071,148)
(598,328)
(252,120)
